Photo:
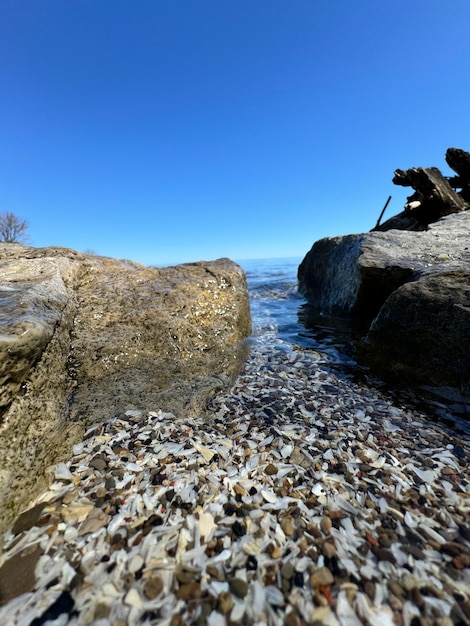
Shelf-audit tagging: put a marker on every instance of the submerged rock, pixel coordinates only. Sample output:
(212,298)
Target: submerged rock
(83,338)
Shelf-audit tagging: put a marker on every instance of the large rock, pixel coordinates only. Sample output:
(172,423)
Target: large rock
(84,338)
(351,276)
(417,285)
(422,333)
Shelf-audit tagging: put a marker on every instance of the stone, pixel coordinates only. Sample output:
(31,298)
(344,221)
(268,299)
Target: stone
(225,602)
(153,587)
(17,574)
(84,338)
(95,520)
(271,469)
(421,333)
(321,577)
(28,518)
(287,525)
(238,586)
(408,296)
(189,591)
(352,276)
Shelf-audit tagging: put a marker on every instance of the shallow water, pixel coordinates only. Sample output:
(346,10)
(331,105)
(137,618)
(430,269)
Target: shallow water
(282,320)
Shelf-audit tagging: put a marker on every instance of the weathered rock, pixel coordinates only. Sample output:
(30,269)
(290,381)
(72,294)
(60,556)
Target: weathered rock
(83,338)
(353,275)
(418,286)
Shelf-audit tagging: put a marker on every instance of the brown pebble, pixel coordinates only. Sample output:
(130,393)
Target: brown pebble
(461,562)
(28,518)
(452,548)
(369,588)
(384,540)
(271,469)
(329,549)
(184,576)
(189,591)
(417,598)
(153,587)
(17,574)
(395,588)
(287,525)
(101,492)
(177,620)
(314,531)
(383,554)
(326,525)
(102,611)
(291,620)
(215,573)
(238,586)
(395,602)
(287,570)
(225,602)
(99,464)
(321,577)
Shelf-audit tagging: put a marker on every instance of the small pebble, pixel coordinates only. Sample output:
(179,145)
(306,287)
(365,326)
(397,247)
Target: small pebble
(153,587)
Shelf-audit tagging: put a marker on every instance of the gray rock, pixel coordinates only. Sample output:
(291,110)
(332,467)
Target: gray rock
(85,338)
(409,293)
(353,275)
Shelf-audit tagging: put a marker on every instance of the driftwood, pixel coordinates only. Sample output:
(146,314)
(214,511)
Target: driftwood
(459,161)
(435,196)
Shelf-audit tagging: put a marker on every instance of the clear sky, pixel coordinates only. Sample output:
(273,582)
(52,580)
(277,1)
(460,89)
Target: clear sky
(178,130)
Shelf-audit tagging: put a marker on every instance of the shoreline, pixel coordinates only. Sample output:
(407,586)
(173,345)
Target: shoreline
(298,496)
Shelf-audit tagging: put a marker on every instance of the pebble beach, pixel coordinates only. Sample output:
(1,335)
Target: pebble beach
(297,498)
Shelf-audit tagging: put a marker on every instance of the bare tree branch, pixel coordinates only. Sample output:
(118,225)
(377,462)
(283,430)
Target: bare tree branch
(12,228)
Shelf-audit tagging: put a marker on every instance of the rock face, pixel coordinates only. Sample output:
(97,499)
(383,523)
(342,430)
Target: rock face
(83,338)
(422,332)
(409,292)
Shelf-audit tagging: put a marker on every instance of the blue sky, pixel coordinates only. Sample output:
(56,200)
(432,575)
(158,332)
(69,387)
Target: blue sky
(171,131)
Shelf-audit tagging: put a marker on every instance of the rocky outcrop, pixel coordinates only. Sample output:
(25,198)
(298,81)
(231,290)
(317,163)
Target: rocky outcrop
(351,276)
(84,338)
(408,292)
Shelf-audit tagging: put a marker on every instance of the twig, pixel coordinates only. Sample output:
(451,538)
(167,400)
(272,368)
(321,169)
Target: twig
(383,211)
